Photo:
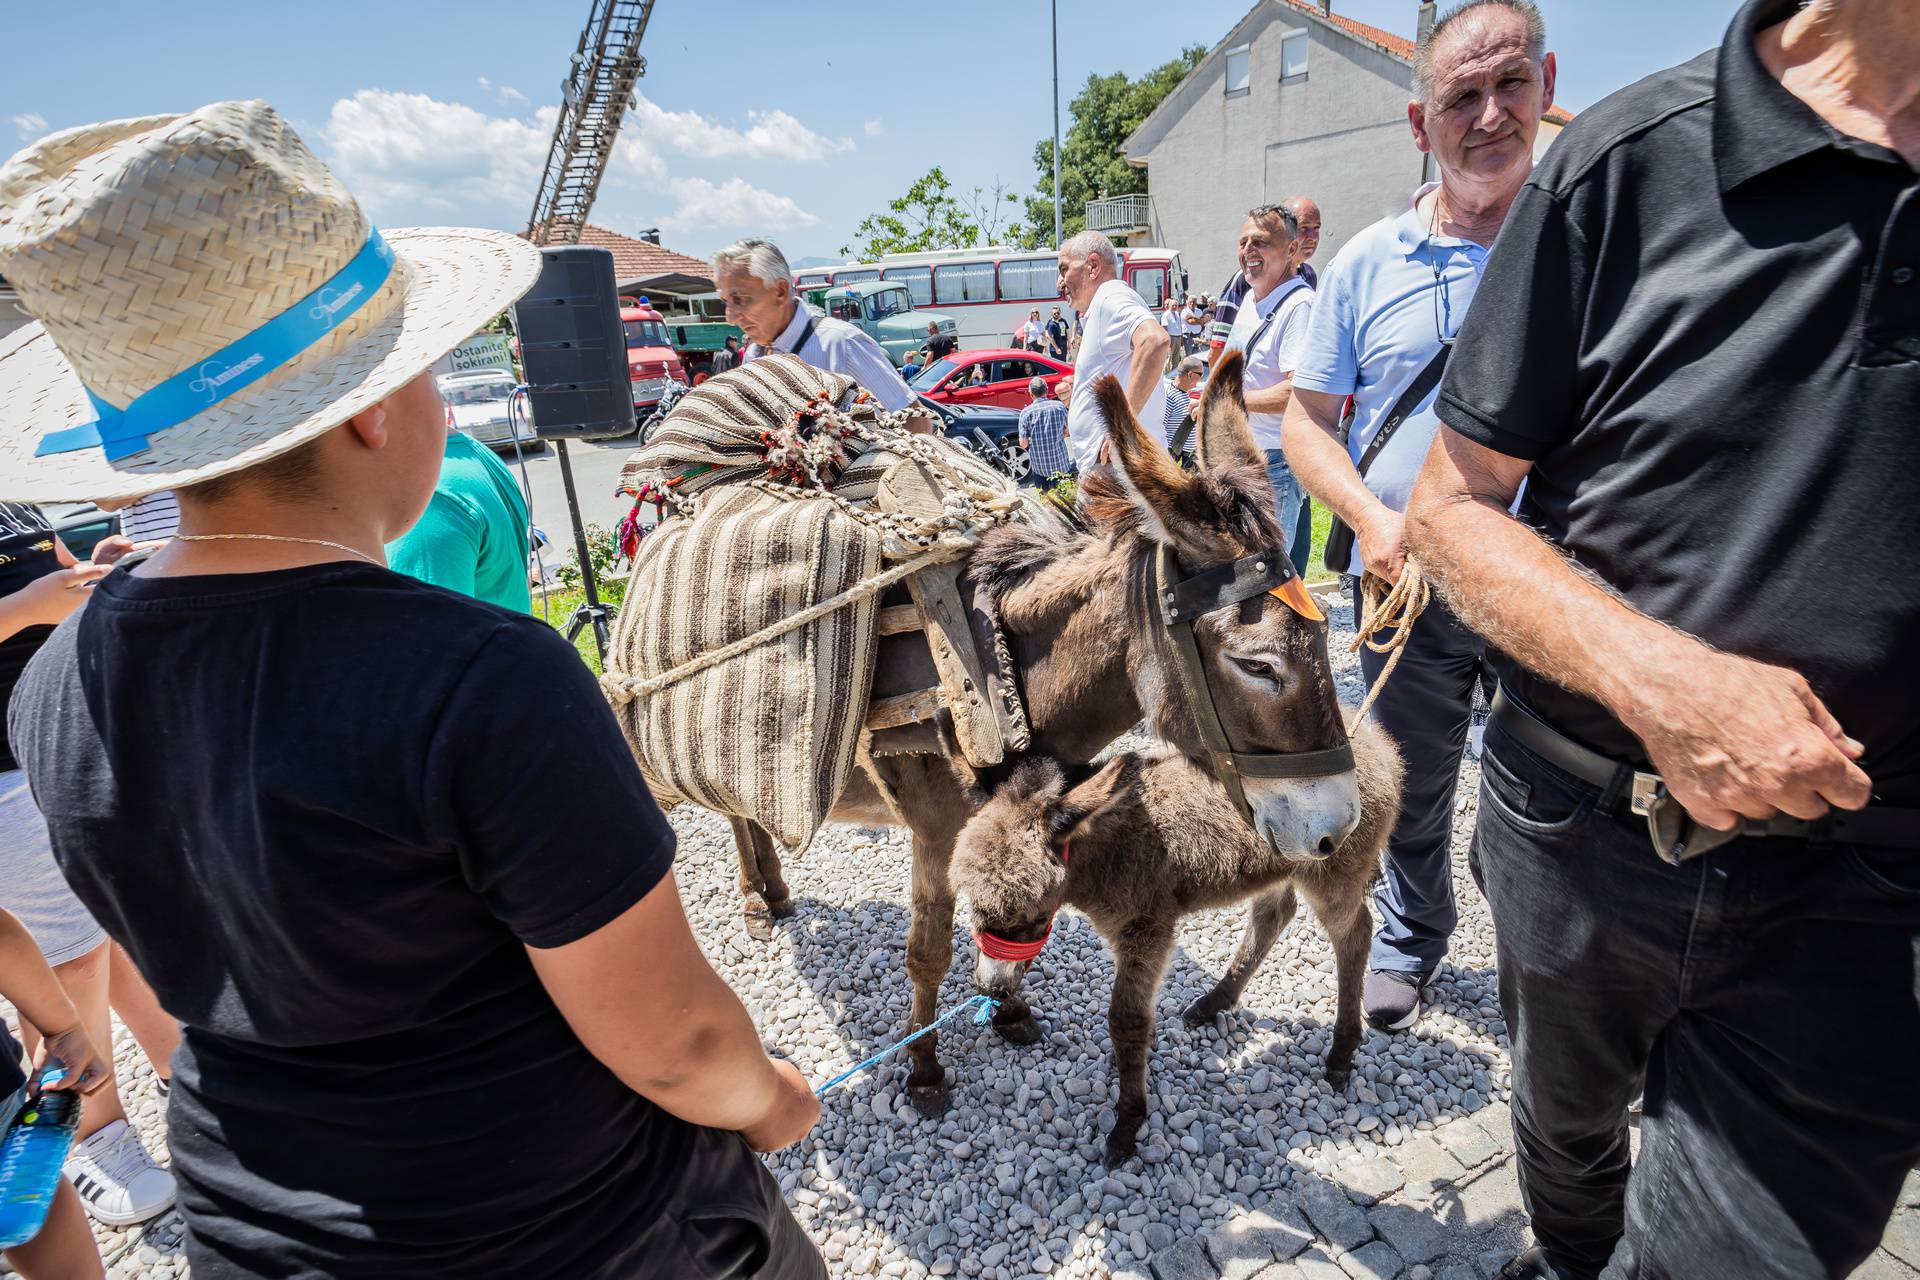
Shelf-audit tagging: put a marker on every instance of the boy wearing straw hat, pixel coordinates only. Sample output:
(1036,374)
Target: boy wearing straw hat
(442,1011)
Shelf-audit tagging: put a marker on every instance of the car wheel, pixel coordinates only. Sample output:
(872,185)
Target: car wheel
(1019,463)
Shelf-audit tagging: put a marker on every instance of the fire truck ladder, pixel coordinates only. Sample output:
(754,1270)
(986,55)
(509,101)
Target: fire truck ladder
(593,99)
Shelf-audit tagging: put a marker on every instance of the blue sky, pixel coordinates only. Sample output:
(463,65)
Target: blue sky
(761,116)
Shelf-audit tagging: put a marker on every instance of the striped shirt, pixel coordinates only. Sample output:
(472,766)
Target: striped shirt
(1179,403)
(153,518)
(1043,425)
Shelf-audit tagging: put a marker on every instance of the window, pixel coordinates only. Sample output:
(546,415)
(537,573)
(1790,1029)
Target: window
(1239,70)
(810,279)
(646,333)
(855,277)
(1029,278)
(1293,56)
(930,376)
(844,307)
(1151,284)
(963,282)
(919,282)
(885,303)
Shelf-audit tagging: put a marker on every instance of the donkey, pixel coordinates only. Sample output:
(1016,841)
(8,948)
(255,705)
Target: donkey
(1147,839)
(1092,656)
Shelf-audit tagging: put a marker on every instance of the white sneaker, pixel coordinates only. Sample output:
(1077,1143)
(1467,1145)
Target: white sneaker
(118,1181)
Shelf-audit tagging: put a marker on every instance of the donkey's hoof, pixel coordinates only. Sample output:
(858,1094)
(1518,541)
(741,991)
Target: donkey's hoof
(1120,1146)
(782,909)
(931,1100)
(1337,1076)
(1024,1031)
(758,918)
(1203,1010)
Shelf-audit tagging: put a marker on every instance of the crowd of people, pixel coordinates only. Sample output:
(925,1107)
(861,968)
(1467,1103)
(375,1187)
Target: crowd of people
(1641,413)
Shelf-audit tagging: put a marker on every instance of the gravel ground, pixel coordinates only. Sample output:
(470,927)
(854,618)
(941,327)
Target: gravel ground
(1251,1165)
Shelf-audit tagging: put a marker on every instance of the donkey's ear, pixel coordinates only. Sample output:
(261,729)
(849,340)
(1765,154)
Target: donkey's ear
(1082,805)
(1226,437)
(1151,475)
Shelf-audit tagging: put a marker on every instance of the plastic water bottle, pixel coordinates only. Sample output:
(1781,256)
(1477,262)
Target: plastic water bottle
(31,1156)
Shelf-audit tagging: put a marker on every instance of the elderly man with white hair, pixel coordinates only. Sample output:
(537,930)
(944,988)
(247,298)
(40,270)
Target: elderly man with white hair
(756,285)
(1118,335)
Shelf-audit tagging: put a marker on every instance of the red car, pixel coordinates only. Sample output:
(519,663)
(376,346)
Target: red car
(988,377)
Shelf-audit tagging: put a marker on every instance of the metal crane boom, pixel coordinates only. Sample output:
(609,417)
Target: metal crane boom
(593,100)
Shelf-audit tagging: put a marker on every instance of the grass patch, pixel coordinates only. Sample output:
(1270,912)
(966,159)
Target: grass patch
(1314,570)
(560,605)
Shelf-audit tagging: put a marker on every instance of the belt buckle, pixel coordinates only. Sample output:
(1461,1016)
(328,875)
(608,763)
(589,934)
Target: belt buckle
(1676,837)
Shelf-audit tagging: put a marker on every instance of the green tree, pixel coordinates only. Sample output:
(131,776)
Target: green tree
(1104,112)
(928,216)
(931,216)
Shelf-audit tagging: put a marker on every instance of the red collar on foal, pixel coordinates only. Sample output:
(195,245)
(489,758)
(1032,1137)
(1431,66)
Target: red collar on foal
(995,947)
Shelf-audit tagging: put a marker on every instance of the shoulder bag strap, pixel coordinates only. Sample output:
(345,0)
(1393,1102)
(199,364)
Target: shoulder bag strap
(1403,408)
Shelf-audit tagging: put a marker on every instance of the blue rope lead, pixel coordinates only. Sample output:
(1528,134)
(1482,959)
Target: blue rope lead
(987,1005)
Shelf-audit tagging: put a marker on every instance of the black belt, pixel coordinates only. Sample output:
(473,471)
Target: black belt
(1676,836)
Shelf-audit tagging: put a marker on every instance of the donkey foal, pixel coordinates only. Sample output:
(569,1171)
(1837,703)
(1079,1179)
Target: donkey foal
(1147,839)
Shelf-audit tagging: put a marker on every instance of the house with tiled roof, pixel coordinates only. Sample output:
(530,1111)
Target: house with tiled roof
(642,266)
(1296,99)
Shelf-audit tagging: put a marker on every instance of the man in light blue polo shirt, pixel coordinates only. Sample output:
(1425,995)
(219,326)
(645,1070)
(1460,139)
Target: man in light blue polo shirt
(1388,304)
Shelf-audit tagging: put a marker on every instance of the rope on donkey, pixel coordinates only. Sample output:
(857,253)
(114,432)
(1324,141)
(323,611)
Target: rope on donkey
(1390,615)
(623,688)
(987,1004)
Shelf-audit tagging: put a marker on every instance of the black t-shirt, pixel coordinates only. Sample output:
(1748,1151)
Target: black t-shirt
(1057,335)
(26,553)
(324,808)
(941,345)
(1701,323)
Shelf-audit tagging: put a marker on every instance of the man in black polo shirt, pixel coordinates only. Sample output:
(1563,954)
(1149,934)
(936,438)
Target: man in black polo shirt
(1706,365)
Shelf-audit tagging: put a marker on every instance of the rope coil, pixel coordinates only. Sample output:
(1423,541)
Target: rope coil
(1390,615)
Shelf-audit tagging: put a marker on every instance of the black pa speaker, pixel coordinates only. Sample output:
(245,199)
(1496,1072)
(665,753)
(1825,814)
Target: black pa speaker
(572,347)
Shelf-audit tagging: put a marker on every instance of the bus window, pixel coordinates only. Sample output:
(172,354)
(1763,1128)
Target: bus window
(963,282)
(811,279)
(856,276)
(1151,284)
(1027,279)
(919,282)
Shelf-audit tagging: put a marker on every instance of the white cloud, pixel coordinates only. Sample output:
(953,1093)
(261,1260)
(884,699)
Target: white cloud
(733,203)
(504,92)
(769,135)
(31,124)
(873,128)
(410,148)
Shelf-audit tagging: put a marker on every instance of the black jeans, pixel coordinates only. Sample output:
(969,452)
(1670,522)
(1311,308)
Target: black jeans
(1426,708)
(1768,995)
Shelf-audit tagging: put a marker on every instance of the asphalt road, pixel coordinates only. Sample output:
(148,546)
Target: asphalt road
(596,470)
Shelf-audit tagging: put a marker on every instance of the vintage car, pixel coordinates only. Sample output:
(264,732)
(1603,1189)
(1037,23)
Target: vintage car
(884,312)
(477,405)
(996,377)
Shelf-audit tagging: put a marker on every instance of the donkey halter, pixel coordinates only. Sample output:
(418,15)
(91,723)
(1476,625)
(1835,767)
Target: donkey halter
(1184,600)
(995,947)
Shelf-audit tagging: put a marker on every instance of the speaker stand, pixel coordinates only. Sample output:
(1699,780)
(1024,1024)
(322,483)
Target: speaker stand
(591,612)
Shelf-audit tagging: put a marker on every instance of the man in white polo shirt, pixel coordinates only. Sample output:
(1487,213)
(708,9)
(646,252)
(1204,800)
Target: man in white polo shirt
(756,284)
(1270,331)
(1118,335)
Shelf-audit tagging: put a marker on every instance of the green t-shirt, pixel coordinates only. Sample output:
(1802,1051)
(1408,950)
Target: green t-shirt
(472,538)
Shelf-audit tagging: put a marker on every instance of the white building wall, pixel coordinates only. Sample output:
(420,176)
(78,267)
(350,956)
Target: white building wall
(1338,135)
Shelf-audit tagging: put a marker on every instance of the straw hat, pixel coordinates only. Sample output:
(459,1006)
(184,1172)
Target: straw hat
(211,296)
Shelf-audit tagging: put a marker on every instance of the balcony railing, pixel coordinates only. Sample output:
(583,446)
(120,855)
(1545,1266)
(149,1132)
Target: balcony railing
(1122,214)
